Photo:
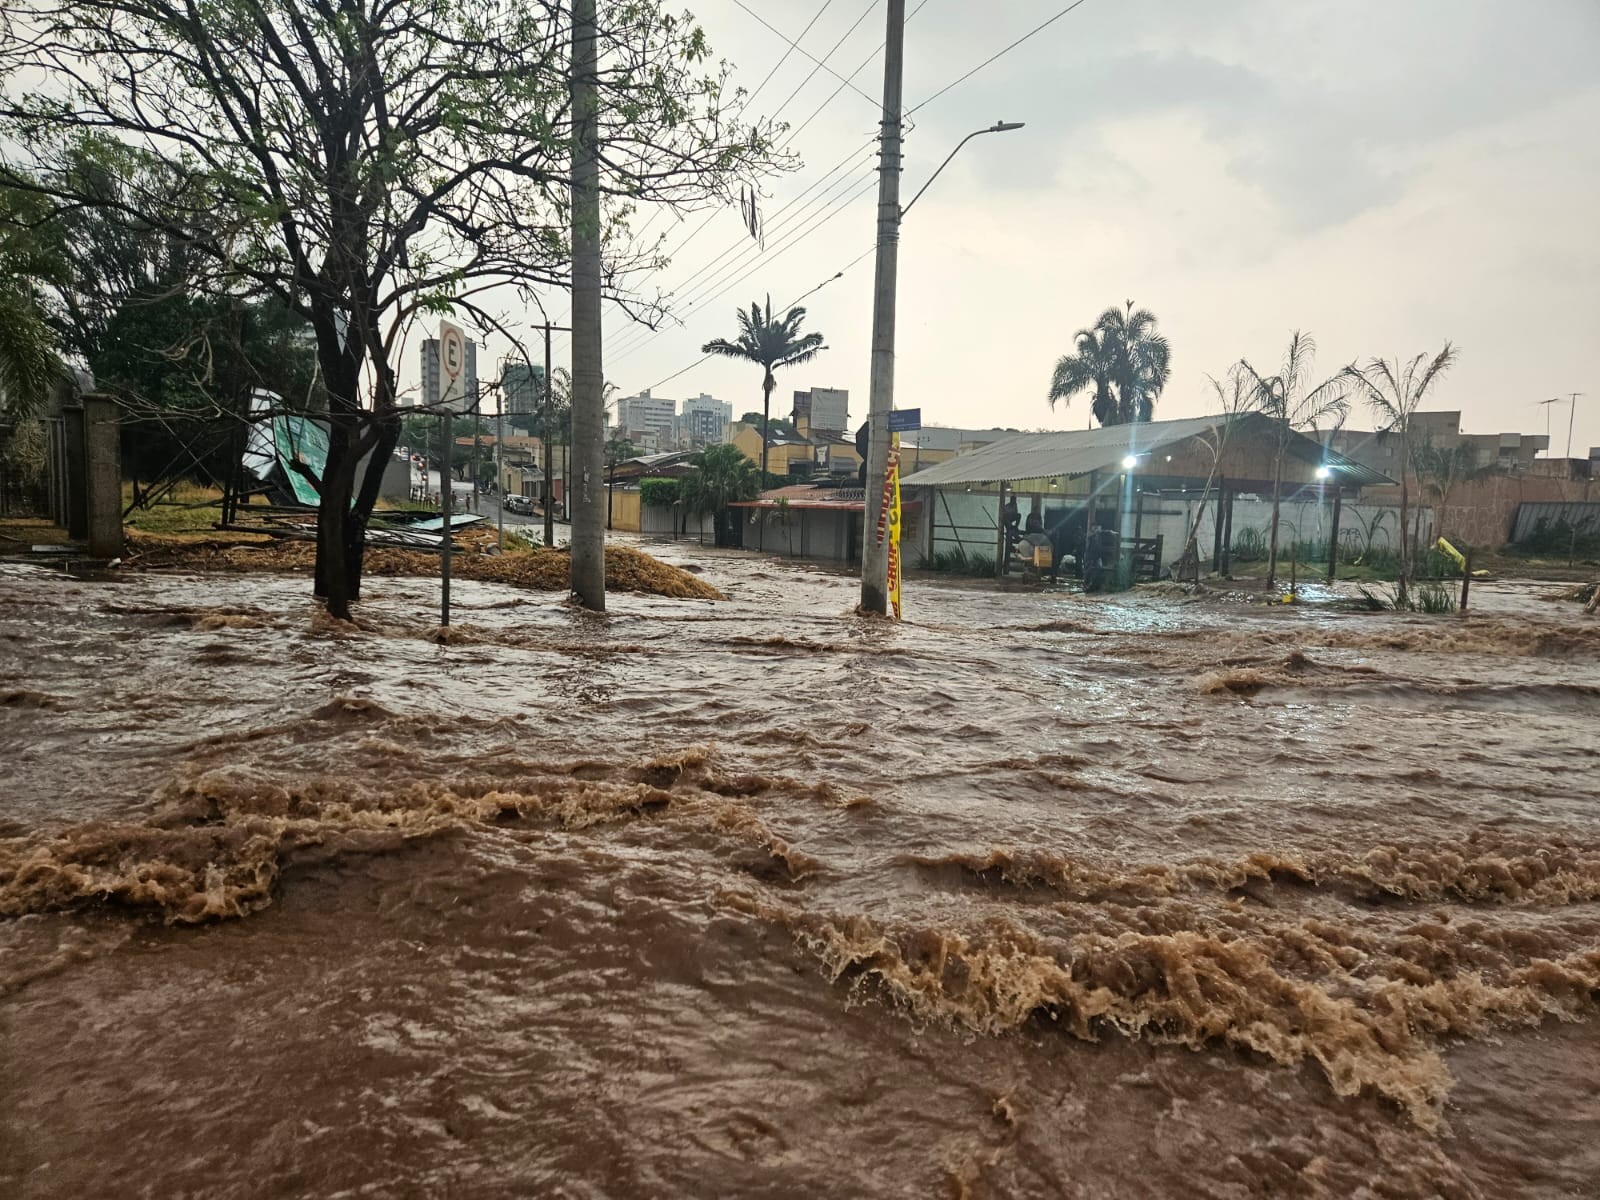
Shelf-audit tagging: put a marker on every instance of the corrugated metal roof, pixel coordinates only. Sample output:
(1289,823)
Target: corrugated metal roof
(1079,451)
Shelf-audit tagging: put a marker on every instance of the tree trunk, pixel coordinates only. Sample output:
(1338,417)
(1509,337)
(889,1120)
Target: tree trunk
(1405,531)
(1277,497)
(766,424)
(588,561)
(334,569)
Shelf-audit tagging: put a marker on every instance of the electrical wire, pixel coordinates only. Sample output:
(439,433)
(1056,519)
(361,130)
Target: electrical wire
(821,63)
(827,216)
(786,307)
(998,54)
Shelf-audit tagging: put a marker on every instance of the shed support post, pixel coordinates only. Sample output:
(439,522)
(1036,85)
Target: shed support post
(1216,525)
(1333,533)
(1227,536)
(1000,534)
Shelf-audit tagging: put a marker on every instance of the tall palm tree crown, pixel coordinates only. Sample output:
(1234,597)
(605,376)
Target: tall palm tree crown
(771,345)
(1123,360)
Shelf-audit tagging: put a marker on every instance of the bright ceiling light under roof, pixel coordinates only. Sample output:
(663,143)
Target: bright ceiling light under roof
(1130,462)
(1323,472)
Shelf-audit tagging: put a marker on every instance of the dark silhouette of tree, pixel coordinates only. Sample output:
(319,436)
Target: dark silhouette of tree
(1122,360)
(721,475)
(771,345)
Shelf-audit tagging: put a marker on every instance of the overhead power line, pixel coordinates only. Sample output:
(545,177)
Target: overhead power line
(824,218)
(997,54)
(821,63)
(785,308)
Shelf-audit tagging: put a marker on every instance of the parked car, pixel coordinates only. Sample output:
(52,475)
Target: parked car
(519,504)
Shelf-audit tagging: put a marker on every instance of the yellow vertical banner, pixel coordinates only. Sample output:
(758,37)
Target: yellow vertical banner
(892,485)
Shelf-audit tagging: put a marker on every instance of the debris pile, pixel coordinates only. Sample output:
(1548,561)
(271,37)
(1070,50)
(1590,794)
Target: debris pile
(541,569)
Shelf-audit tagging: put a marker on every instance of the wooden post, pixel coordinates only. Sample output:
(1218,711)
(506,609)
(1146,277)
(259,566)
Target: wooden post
(1216,522)
(1227,539)
(1138,515)
(1000,534)
(1333,536)
(1466,578)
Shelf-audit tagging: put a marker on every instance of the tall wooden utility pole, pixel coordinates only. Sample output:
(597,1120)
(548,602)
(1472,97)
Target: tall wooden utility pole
(875,553)
(588,572)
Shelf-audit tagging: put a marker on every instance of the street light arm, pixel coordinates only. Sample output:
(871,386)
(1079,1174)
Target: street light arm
(997,127)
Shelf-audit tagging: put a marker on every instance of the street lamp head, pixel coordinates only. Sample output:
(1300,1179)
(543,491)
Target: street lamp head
(1006,126)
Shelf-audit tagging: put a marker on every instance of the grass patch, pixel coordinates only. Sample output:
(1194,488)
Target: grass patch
(958,562)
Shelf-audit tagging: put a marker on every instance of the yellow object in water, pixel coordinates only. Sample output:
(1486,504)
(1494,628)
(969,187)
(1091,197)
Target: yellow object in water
(1461,559)
(1042,558)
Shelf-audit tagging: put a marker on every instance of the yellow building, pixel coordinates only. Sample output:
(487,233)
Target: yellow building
(783,450)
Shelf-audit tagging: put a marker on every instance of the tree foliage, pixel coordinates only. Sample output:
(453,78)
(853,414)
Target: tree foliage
(1122,360)
(1395,392)
(721,475)
(1294,404)
(29,260)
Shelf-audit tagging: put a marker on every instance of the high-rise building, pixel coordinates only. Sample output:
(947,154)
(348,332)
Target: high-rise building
(523,388)
(645,413)
(704,421)
(430,375)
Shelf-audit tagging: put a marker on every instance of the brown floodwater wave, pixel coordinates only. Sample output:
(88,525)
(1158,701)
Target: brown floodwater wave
(1030,894)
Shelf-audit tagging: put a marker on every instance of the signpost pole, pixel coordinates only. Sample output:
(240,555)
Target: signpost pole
(446,503)
(452,365)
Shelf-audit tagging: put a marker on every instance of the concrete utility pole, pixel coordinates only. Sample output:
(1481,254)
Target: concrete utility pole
(875,554)
(588,573)
(1572,411)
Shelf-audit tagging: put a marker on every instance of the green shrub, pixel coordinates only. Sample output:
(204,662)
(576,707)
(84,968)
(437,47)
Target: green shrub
(660,493)
(1425,598)
(1438,565)
(957,562)
(1559,538)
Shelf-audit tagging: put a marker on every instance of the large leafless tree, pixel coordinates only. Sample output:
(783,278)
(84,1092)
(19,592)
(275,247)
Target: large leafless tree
(369,163)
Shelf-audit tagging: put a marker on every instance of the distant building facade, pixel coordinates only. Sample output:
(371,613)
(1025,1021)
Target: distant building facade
(431,379)
(647,414)
(704,421)
(523,387)
(823,409)
(1510,453)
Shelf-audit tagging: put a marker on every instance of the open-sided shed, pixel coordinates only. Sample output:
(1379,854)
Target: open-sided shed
(1102,478)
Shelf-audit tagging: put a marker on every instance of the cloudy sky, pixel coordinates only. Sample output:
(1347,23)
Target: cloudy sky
(1387,175)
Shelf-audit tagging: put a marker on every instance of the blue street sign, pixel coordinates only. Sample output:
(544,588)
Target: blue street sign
(904,420)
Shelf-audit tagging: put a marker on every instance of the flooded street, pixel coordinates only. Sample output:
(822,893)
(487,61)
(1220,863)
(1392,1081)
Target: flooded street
(1030,895)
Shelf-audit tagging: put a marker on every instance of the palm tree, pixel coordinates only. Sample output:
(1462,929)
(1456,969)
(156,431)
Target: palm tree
(720,476)
(769,344)
(1144,361)
(1395,393)
(1285,398)
(1441,471)
(1091,366)
(1123,359)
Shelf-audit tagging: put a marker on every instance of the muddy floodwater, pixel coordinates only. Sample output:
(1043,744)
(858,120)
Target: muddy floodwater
(1030,895)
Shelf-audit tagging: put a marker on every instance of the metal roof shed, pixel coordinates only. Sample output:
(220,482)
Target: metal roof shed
(1078,452)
